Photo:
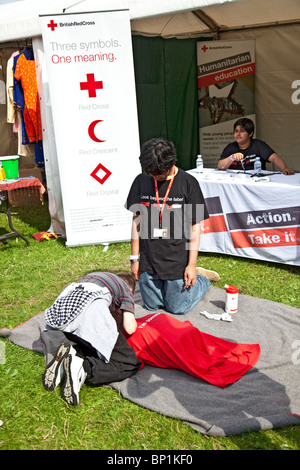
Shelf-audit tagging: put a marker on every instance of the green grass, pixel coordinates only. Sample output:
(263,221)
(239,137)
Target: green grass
(35,419)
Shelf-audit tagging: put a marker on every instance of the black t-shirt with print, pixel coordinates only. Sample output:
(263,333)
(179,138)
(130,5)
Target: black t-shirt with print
(257,148)
(166,256)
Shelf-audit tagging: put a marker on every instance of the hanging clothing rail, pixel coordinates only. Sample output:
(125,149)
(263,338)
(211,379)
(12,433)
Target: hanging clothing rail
(18,44)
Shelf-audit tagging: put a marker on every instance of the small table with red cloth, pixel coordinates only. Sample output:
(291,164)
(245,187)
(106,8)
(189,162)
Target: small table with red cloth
(13,184)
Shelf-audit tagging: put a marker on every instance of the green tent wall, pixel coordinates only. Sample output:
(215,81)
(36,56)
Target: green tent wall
(166,88)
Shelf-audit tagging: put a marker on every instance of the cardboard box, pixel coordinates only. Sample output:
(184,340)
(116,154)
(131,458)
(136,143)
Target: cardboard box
(24,197)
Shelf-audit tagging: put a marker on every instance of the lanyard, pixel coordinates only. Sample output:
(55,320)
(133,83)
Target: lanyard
(164,201)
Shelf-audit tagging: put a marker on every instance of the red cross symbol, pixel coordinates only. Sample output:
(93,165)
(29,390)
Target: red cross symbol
(106,175)
(91,85)
(52,25)
(204,48)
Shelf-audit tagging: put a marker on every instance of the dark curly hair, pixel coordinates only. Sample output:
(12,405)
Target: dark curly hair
(158,155)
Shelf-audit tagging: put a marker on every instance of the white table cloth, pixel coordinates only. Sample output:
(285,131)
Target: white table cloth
(251,217)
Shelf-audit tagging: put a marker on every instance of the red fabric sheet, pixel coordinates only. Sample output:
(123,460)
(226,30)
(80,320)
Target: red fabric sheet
(163,341)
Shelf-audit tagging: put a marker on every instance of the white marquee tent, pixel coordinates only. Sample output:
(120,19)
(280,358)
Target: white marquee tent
(19,18)
(274,24)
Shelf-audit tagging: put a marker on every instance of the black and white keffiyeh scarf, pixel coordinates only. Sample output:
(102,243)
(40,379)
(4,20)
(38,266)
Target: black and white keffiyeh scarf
(69,306)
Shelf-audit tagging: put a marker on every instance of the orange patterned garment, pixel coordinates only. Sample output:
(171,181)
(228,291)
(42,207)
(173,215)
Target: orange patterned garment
(25,71)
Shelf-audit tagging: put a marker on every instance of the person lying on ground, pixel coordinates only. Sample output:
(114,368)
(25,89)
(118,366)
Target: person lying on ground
(90,313)
(159,340)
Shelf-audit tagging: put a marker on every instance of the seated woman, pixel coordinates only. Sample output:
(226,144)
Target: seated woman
(240,155)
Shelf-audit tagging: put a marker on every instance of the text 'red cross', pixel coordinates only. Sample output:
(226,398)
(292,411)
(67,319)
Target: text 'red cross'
(91,85)
(52,25)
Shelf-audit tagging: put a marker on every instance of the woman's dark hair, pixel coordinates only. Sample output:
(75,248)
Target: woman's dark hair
(246,123)
(158,155)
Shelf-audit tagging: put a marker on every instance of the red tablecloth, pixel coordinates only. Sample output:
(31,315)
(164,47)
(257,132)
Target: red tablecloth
(16,183)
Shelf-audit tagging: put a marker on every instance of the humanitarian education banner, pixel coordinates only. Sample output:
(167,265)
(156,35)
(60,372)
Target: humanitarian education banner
(226,92)
(92,91)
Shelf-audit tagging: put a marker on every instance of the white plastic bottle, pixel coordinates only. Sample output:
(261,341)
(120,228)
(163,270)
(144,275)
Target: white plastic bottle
(199,164)
(231,303)
(257,165)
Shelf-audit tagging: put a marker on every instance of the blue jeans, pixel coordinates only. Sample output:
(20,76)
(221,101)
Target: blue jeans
(171,295)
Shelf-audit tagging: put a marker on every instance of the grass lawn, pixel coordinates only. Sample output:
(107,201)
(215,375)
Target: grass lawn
(33,419)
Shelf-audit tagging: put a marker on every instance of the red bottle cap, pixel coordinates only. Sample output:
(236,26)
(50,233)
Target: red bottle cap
(232,289)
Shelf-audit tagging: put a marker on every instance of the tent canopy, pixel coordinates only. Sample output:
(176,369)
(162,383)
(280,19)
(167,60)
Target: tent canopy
(218,17)
(166,18)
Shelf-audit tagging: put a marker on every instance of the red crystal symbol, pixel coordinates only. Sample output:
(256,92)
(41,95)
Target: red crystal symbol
(105,173)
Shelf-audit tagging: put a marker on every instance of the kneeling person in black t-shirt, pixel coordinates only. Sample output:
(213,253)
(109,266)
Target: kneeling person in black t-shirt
(167,206)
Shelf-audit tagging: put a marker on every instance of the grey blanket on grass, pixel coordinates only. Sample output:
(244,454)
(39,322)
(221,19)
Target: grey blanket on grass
(266,397)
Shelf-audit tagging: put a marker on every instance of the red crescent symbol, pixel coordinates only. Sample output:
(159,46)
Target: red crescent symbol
(91,131)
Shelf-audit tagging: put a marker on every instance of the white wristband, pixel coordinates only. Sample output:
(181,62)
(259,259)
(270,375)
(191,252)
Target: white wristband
(231,158)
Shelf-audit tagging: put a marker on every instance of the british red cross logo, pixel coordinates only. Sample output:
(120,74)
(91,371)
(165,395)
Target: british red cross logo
(91,85)
(52,25)
(103,175)
(204,48)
